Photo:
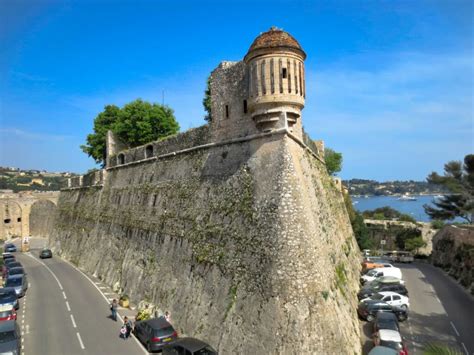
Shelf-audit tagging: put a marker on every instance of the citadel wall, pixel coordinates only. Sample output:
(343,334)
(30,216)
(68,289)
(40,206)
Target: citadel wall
(235,227)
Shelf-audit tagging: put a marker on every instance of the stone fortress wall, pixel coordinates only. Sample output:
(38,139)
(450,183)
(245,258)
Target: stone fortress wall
(235,227)
(26,213)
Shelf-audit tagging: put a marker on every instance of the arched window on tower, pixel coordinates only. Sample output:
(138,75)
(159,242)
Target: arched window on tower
(149,151)
(121,159)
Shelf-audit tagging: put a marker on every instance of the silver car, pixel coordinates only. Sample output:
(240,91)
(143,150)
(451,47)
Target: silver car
(19,283)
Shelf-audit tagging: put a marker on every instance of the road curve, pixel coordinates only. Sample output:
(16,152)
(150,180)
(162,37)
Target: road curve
(66,314)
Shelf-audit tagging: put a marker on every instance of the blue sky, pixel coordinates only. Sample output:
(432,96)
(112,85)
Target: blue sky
(389,83)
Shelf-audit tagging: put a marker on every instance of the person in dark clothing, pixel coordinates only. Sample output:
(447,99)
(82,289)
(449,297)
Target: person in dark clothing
(113,309)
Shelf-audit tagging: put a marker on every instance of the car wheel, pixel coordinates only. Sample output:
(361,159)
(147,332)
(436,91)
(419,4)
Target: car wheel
(370,318)
(404,307)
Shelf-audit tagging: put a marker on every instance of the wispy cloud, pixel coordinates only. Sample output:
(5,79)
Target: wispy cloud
(33,135)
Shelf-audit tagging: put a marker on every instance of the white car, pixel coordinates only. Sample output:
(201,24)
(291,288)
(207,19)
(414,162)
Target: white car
(376,273)
(392,298)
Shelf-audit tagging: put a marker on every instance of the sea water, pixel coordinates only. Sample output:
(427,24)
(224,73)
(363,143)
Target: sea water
(412,208)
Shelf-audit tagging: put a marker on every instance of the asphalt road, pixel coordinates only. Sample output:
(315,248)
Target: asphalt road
(441,311)
(64,313)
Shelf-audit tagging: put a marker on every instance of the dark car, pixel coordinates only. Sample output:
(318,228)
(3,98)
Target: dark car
(10,337)
(10,248)
(15,271)
(155,333)
(375,287)
(368,310)
(7,256)
(8,265)
(46,253)
(8,297)
(188,346)
(386,320)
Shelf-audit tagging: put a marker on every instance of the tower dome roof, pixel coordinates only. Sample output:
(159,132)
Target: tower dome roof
(274,38)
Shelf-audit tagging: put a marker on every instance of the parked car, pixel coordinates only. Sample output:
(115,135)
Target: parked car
(15,271)
(390,339)
(8,297)
(10,337)
(376,273)
(392,298)
(188,346)
(376,286)
(155,333)
(386,320)
(10,248)
(7,312)
(19,283)
(8,265)
(6,256)
(382,350)
(46,253)
(368,310)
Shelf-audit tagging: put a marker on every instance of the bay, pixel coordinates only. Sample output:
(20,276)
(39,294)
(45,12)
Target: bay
(412,208)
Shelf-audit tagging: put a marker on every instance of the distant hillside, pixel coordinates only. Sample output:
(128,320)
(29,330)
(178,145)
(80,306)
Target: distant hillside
(31,180)
(372,187)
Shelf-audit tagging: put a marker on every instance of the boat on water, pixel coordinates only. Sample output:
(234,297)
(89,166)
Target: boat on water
(407,197)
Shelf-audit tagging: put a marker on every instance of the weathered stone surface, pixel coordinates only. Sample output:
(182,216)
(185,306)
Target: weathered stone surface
(246,241)
(453,250)
(235,227)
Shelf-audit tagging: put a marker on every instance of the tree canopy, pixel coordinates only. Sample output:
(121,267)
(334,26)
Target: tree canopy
(458,179)
(137,123)
(333,161)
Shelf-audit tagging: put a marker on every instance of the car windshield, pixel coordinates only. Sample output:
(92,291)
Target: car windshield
(371,272)
(377,296)
(391,344)
(388,324)
(16,271)
(164,331)
(5,337)
(7,293)
(14,282)
(205,351)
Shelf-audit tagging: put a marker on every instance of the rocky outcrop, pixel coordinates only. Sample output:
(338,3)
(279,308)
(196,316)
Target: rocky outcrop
(248,244)
(453,250)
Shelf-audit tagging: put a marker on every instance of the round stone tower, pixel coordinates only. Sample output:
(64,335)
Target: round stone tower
(275,62)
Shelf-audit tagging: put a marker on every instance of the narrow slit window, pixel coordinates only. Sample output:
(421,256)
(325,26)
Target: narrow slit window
(149,151)
(272,77)
(301,80)
(121,159)
(264,89)
(6,221)
(226,111)
(296,77)
(284,73)
(245,106)
(280,70)
(18,219)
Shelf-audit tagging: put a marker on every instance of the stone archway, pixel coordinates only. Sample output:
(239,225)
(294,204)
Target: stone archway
(11,220)
(42,214)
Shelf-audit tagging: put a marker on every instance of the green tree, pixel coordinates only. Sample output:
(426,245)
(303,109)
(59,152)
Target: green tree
(95,145)
(333,161)
(458,179)
(141,122)
(361,231)
(206,101)
(413,244)
(137,123)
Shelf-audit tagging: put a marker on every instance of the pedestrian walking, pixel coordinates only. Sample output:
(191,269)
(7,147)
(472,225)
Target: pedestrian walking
(128,326)
(168,317)
(113,309)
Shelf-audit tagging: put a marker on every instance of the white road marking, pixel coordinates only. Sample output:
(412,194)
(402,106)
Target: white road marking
(47,268)
(64,295)
(465,349)
(67,305)
(80,340)
(455,330)
(105,298)
(27,329)
(73,321)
